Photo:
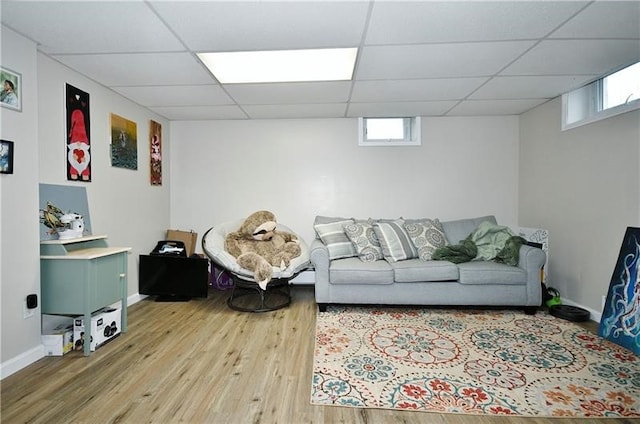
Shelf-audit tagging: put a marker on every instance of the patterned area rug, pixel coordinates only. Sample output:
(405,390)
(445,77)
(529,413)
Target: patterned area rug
(470,362)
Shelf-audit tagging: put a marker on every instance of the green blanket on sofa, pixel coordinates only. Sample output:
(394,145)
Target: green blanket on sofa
(488,242)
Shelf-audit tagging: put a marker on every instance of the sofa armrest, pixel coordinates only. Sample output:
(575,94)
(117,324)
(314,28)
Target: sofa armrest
(532,260)
(319,256)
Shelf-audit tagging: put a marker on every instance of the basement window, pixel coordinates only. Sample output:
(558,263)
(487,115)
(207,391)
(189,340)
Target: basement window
(389,131)
(608,96)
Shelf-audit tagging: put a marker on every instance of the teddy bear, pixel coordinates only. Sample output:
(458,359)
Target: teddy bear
(258,246)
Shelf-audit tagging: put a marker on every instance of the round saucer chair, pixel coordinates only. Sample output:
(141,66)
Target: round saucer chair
(246,295)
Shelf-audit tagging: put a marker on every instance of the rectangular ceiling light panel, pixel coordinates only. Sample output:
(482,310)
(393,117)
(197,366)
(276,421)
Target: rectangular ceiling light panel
(281,65)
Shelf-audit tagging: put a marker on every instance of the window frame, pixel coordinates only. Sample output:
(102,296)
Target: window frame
(592,102)
(414,138)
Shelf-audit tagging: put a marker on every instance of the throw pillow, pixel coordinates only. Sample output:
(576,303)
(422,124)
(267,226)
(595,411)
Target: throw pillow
(365,241)
(320,219)
(333,236)
(394,240)
(426,235)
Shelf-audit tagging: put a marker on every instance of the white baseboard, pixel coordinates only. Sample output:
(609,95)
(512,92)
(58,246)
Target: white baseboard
(135,298)
(305,277)
(27,358)
(21,361)
(595,315)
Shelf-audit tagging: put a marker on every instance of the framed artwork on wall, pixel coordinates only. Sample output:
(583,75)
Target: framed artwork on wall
(78,135)
(124,142)
(155,150)
(6,157)
(11,94)
(620,320)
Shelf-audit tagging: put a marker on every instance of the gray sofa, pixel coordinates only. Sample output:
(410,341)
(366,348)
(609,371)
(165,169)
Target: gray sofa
(349,280)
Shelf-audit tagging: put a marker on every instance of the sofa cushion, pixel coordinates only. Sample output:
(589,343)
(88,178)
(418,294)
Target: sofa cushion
(364,240)
(396,243)
(354,271)
(426,235)
(320,219)
(458,230)
(416,270)
(333,236)
(487,272)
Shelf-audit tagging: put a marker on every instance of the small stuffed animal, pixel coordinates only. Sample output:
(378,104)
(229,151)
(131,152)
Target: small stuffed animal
(258,246)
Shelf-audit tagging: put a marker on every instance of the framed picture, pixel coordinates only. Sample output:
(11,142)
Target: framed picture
(155,150)
(11,94)
(124,142)
(78,135)
(6,157)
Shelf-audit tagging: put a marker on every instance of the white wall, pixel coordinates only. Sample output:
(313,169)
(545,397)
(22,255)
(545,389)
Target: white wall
(583,185)
(122,203)
(225,170)
(19,231)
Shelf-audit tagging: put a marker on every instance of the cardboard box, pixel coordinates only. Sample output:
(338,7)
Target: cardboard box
(189,238)
(57,335)
(105,325)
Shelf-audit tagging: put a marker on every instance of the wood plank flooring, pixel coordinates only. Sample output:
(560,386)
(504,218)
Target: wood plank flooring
(199,362)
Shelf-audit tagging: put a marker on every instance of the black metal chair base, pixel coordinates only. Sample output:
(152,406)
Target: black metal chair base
(247,296)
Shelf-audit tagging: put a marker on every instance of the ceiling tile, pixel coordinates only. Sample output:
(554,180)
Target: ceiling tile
(604,19)
(416,57)
(438,60)
(268,25)
(282,93)
(399,109)
(177,95)
(335,110)
(139,69)
(445,21)
(414,90)
(494,107)
(530,87)
(90,26)
(193,113)
(576,57)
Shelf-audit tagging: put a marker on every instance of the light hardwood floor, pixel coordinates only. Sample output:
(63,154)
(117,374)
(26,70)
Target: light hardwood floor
(199,362)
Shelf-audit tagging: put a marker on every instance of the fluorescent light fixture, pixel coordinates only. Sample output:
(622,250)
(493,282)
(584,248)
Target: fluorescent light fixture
(281,65)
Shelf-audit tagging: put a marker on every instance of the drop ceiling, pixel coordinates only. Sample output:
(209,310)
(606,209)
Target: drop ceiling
(425,58)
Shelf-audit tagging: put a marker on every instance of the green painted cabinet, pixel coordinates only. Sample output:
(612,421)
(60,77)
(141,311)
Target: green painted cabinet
(81,276)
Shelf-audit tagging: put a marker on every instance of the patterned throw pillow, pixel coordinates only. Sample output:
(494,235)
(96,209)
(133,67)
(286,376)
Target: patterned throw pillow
(394,240)
(333,236)
(365,241)
(426,235)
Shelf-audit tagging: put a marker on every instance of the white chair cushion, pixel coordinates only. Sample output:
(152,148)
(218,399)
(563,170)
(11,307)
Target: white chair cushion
(213,246)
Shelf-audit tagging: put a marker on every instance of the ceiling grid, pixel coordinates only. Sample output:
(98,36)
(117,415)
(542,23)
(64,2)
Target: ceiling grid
(415,58)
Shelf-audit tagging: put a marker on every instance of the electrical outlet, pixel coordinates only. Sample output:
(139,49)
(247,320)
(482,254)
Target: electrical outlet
(26,312)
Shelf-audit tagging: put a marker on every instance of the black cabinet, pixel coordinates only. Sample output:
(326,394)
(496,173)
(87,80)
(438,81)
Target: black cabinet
(173,278)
